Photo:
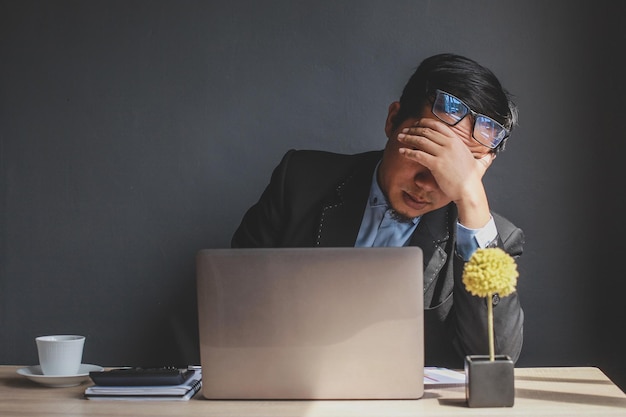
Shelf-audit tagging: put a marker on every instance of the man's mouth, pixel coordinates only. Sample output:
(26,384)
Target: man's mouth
(415,203)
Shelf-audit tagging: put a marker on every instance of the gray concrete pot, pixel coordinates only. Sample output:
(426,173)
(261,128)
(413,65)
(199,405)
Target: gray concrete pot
(489,383)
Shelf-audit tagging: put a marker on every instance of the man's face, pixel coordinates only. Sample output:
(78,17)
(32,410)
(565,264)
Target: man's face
(410,187)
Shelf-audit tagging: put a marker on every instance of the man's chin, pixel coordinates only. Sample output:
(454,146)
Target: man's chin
(402,217)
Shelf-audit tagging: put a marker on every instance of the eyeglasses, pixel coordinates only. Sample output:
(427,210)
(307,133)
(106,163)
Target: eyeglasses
(452,110)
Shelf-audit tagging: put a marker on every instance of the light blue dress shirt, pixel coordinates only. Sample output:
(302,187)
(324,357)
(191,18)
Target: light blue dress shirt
(380,227)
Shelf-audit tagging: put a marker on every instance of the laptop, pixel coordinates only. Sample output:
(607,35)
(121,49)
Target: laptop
(311,323)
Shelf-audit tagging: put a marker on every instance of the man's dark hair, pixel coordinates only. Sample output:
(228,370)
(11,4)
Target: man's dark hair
(464,78)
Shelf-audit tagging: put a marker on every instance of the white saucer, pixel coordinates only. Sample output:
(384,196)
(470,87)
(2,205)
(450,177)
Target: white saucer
(34,374)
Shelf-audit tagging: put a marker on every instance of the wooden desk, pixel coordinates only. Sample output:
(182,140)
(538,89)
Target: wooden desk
(539,392)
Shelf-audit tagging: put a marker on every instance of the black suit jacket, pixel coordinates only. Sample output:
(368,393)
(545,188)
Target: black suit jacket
(317,198)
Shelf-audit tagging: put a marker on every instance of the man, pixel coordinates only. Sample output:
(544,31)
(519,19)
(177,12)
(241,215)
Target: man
(425,189)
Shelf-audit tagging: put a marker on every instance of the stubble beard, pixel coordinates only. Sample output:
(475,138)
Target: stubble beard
(400,217)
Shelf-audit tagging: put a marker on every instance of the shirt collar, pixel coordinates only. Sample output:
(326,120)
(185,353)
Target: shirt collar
(377,198)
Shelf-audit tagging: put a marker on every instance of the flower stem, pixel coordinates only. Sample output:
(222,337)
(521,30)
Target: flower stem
(490,326)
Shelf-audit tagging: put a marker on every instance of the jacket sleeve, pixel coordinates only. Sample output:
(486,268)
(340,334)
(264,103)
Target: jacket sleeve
(469,318)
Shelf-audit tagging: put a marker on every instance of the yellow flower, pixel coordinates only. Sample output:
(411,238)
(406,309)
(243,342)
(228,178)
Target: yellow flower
(490,271)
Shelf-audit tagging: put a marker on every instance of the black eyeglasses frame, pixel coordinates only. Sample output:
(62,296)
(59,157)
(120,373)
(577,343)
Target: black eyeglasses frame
(473,114)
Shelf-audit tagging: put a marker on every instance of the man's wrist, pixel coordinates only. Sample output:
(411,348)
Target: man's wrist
(468,240)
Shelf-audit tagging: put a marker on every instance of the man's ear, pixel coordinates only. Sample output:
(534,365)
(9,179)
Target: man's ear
(390,123)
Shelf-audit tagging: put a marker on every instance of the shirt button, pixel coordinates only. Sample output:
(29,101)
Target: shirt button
(495,299)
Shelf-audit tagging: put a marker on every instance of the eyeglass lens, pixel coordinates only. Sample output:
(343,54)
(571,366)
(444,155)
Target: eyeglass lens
(451,110)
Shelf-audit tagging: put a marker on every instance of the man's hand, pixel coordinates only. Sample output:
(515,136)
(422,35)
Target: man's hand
(456,161)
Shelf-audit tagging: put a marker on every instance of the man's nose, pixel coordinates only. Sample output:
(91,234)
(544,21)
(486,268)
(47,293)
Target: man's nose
(425,179)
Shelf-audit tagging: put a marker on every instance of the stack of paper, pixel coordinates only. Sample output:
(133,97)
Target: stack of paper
(181,392)
(440,377)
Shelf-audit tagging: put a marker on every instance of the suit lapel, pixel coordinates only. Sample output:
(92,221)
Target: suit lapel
(432,234)
(342,214)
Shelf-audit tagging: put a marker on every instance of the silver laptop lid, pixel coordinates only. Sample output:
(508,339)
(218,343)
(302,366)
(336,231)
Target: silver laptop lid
(311,323)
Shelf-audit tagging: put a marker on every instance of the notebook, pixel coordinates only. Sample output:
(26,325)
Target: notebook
(311,323)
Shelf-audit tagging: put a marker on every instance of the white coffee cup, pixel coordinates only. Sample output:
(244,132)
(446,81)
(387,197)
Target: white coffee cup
(60,354)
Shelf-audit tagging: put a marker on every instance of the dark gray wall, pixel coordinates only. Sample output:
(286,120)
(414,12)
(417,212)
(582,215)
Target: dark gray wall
(134,133)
